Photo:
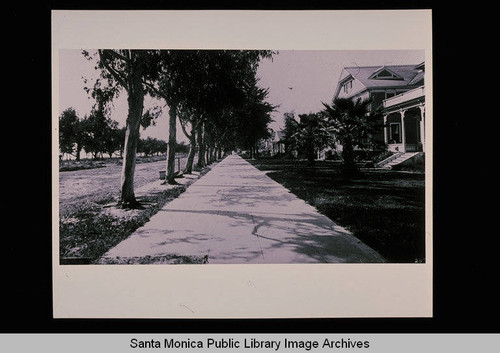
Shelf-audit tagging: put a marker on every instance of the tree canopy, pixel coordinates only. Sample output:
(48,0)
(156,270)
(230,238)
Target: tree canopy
(307,135)
(214,91)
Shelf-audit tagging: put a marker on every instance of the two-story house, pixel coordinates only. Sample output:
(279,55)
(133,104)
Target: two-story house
(398,90)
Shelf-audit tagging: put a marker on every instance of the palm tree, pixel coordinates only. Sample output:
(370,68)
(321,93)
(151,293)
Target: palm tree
(307,135)
(353,124)
(312,135)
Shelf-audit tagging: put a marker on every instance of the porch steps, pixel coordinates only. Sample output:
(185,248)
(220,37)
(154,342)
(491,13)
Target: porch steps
(396,159)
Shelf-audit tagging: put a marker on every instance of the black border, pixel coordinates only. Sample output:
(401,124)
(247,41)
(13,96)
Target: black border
(463,279)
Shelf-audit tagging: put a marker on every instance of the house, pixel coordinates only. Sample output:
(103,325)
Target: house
(278,146)
(399,92)
(273,145)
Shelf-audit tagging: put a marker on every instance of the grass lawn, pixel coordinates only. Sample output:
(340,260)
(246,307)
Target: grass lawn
(383,208)
(91,230)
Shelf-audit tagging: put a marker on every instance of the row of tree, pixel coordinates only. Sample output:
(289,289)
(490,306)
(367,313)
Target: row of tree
(94,134)
(214,94)
(350,123)
(98,135)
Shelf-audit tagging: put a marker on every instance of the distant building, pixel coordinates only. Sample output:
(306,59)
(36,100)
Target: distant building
(278,147)
(273,145)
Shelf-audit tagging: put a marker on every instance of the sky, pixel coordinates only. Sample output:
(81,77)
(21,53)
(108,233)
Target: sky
(298,81)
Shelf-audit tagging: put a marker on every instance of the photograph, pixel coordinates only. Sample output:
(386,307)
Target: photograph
(241,156)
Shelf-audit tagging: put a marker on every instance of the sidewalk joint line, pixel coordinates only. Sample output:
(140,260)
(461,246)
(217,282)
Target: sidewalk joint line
(254,232)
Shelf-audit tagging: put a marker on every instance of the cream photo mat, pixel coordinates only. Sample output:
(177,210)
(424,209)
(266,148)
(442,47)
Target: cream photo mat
(243,291)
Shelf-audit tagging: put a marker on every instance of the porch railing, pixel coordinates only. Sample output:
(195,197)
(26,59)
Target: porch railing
(404,97)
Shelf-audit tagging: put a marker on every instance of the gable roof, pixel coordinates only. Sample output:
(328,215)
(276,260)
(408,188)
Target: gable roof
(367,75)
(403,76)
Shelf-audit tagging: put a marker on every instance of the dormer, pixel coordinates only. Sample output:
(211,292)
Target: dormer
(384,73)
(346,84)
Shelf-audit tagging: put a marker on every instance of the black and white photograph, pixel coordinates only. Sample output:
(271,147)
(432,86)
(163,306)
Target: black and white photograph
(215,173)
(241,156)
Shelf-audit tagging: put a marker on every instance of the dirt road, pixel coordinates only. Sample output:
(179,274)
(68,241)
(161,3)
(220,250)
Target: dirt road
(103,184)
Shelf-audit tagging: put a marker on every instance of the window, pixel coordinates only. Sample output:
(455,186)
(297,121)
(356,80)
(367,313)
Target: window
(395,134)
(385,74)
(347,86)
(389,94)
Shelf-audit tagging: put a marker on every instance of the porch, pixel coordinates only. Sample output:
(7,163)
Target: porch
(404,121)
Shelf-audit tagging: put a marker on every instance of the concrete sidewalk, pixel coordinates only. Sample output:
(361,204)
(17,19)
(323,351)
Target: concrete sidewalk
(237,214)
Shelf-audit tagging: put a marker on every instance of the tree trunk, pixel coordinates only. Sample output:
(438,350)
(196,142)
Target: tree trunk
(255,152)
(172,129)
(207,155)
(211,155)
(78,151)
(135,106)
(201,148)
(349,164)
(310,153)
(192,151)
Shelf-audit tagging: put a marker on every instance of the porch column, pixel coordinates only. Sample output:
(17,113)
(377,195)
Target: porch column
(386,135)
(422,126)
(403,133)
